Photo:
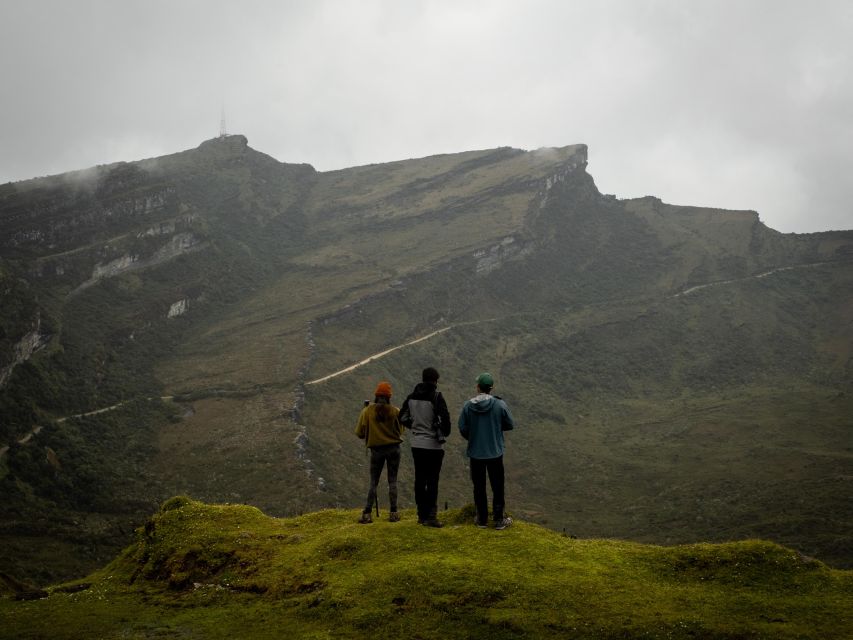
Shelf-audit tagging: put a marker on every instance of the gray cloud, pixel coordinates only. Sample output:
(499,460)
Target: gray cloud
(718,103)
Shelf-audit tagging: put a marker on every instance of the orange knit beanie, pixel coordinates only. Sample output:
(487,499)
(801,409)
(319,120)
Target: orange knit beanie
(383,389)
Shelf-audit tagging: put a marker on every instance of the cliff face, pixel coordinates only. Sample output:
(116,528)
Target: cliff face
(22,350)
(64,234)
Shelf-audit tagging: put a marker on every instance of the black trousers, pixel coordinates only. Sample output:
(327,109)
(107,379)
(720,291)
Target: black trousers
(379,456)
(494,467)
(427,470)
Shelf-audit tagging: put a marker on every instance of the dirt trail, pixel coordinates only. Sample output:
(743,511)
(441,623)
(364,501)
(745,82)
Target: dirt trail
(382,354)
(754,277)
(23,440)
(377,356)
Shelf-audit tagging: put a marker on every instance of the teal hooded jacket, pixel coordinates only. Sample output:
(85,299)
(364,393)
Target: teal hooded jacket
(482,422)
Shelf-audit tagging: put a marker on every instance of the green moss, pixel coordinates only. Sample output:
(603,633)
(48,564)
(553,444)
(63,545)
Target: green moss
(199,570)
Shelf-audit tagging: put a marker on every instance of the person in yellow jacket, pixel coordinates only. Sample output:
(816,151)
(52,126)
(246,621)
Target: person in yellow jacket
(379,426)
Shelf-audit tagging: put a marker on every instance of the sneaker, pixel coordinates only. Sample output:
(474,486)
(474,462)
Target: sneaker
(365,518)
(480,524)
(432,522)
(394,516)
(503,524)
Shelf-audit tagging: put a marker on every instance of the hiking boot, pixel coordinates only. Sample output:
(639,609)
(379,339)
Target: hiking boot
(365,518)
(394,516)
(432,522)
(503,524)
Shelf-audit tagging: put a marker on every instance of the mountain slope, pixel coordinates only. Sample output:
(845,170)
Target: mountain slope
(677,373)
(224,571)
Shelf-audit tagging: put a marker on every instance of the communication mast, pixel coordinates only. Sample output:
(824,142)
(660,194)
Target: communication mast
(222,131)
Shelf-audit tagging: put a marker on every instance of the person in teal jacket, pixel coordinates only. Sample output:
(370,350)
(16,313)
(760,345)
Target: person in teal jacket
(482,423)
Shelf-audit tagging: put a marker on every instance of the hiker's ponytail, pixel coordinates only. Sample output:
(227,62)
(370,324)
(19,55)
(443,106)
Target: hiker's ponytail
(381,408)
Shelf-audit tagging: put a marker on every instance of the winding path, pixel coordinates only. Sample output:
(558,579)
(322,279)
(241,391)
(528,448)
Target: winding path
(381,354)
(754,277)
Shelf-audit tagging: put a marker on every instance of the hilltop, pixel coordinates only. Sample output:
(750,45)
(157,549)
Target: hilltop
(220,571)
(208,323)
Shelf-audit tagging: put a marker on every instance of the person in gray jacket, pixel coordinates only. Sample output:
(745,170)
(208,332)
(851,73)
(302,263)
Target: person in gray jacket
(482,423)
(424,412)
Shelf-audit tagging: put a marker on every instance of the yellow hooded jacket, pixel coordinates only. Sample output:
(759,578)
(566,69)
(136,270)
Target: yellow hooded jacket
(378,432)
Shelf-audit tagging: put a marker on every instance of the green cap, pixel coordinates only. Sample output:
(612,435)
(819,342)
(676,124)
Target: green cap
(485,380)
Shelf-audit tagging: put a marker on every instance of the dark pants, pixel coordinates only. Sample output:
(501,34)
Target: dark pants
(427,469)
(389,453)
(495,469)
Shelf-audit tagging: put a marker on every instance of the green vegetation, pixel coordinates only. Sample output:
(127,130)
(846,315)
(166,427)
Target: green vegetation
(214,571)
(72,492)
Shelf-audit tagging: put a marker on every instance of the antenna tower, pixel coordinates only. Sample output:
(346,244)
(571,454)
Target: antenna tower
(222,131)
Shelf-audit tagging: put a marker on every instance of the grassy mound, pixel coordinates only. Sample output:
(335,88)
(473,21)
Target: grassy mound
(210,571)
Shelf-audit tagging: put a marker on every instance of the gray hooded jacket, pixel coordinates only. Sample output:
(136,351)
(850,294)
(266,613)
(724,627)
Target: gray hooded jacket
(418,412)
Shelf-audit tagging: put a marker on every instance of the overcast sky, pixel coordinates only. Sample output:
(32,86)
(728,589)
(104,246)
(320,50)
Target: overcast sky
(741,104)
